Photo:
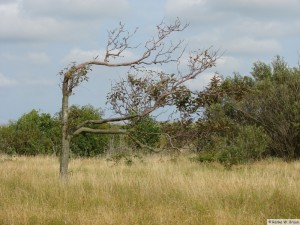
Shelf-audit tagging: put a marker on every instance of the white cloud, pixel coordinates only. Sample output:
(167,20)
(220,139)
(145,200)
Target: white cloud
(2,2)
(257,28)
(260,9)
(75,9)
(266,29)
(176,5)
(198,12)
(229,64)
(238,27)
(220,22)
(204,10)
(12,82)
(200,82)
(32,57)
(39,82)
(14,26)
(9,56)
(7,82)
(38,57)
(51,20)
(78,55)
(250,46)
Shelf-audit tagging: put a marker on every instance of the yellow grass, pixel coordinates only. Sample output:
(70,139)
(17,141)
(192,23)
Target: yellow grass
(159,190)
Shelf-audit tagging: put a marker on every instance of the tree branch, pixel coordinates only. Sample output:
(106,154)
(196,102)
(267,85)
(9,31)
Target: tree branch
(118,42)
(116,119)
(147,90)
(119,131)
(98,131)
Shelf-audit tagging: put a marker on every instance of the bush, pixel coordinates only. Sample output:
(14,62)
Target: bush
(250,143)
(33,133)
(270,99)
(205,156)
(7,137)
(146,130)
(243,144)
(86,144)
(274,104)
(40,133)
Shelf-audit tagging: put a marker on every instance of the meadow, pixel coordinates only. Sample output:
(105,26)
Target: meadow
(151,190)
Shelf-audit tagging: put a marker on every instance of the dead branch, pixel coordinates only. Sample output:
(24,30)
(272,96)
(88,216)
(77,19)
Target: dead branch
(157,51)
(144,91)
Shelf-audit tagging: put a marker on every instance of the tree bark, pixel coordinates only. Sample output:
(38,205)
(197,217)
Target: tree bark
(64,156)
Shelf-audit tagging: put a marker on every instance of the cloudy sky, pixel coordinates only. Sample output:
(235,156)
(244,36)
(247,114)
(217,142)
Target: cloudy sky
(38,38)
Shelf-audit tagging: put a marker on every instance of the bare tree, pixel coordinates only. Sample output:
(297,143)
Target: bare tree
(144,90)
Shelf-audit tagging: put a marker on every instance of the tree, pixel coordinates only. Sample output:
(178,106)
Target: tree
(274,104)
(263,110)
(33,133)
(144,90)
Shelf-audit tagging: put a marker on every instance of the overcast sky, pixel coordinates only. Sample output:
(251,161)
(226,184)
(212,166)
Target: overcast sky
(38,38)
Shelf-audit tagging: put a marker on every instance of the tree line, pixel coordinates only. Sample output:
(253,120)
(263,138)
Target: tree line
(36,133)
(234,120)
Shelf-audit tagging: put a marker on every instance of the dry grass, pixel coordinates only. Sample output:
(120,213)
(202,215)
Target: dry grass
(159,190)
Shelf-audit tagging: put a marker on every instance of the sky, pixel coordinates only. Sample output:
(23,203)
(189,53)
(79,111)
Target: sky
(38,38)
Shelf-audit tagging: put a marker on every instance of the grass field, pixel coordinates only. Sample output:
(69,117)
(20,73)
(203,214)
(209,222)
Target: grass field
(157,190)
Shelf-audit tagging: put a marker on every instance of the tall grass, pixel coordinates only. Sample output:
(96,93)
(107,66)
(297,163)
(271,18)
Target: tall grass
(158,190)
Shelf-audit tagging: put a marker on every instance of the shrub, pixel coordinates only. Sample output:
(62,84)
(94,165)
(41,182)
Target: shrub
(86,144)
(33,133)
(243,144)
(269,100)
(40,133)
(250,143)
(146,130)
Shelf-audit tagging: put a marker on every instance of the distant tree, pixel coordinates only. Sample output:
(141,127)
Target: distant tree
(262,109)
(33,133)
(274,104)
(40,133)
(144,90)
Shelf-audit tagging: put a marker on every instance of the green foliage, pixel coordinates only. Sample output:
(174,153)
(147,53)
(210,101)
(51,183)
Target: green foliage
(241,145)
(34,133)
(261,71)
(215,123)
(246,118)
(126,157)
(274,105)
(226,140)
(146,130)
(240,118)
(89,144)
(86,144)
(7,137)
(250,143)
(205,156)
(180,134)
(40,133)
(79,114)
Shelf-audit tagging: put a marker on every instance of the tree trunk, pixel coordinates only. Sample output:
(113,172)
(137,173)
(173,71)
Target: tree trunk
(64,156)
